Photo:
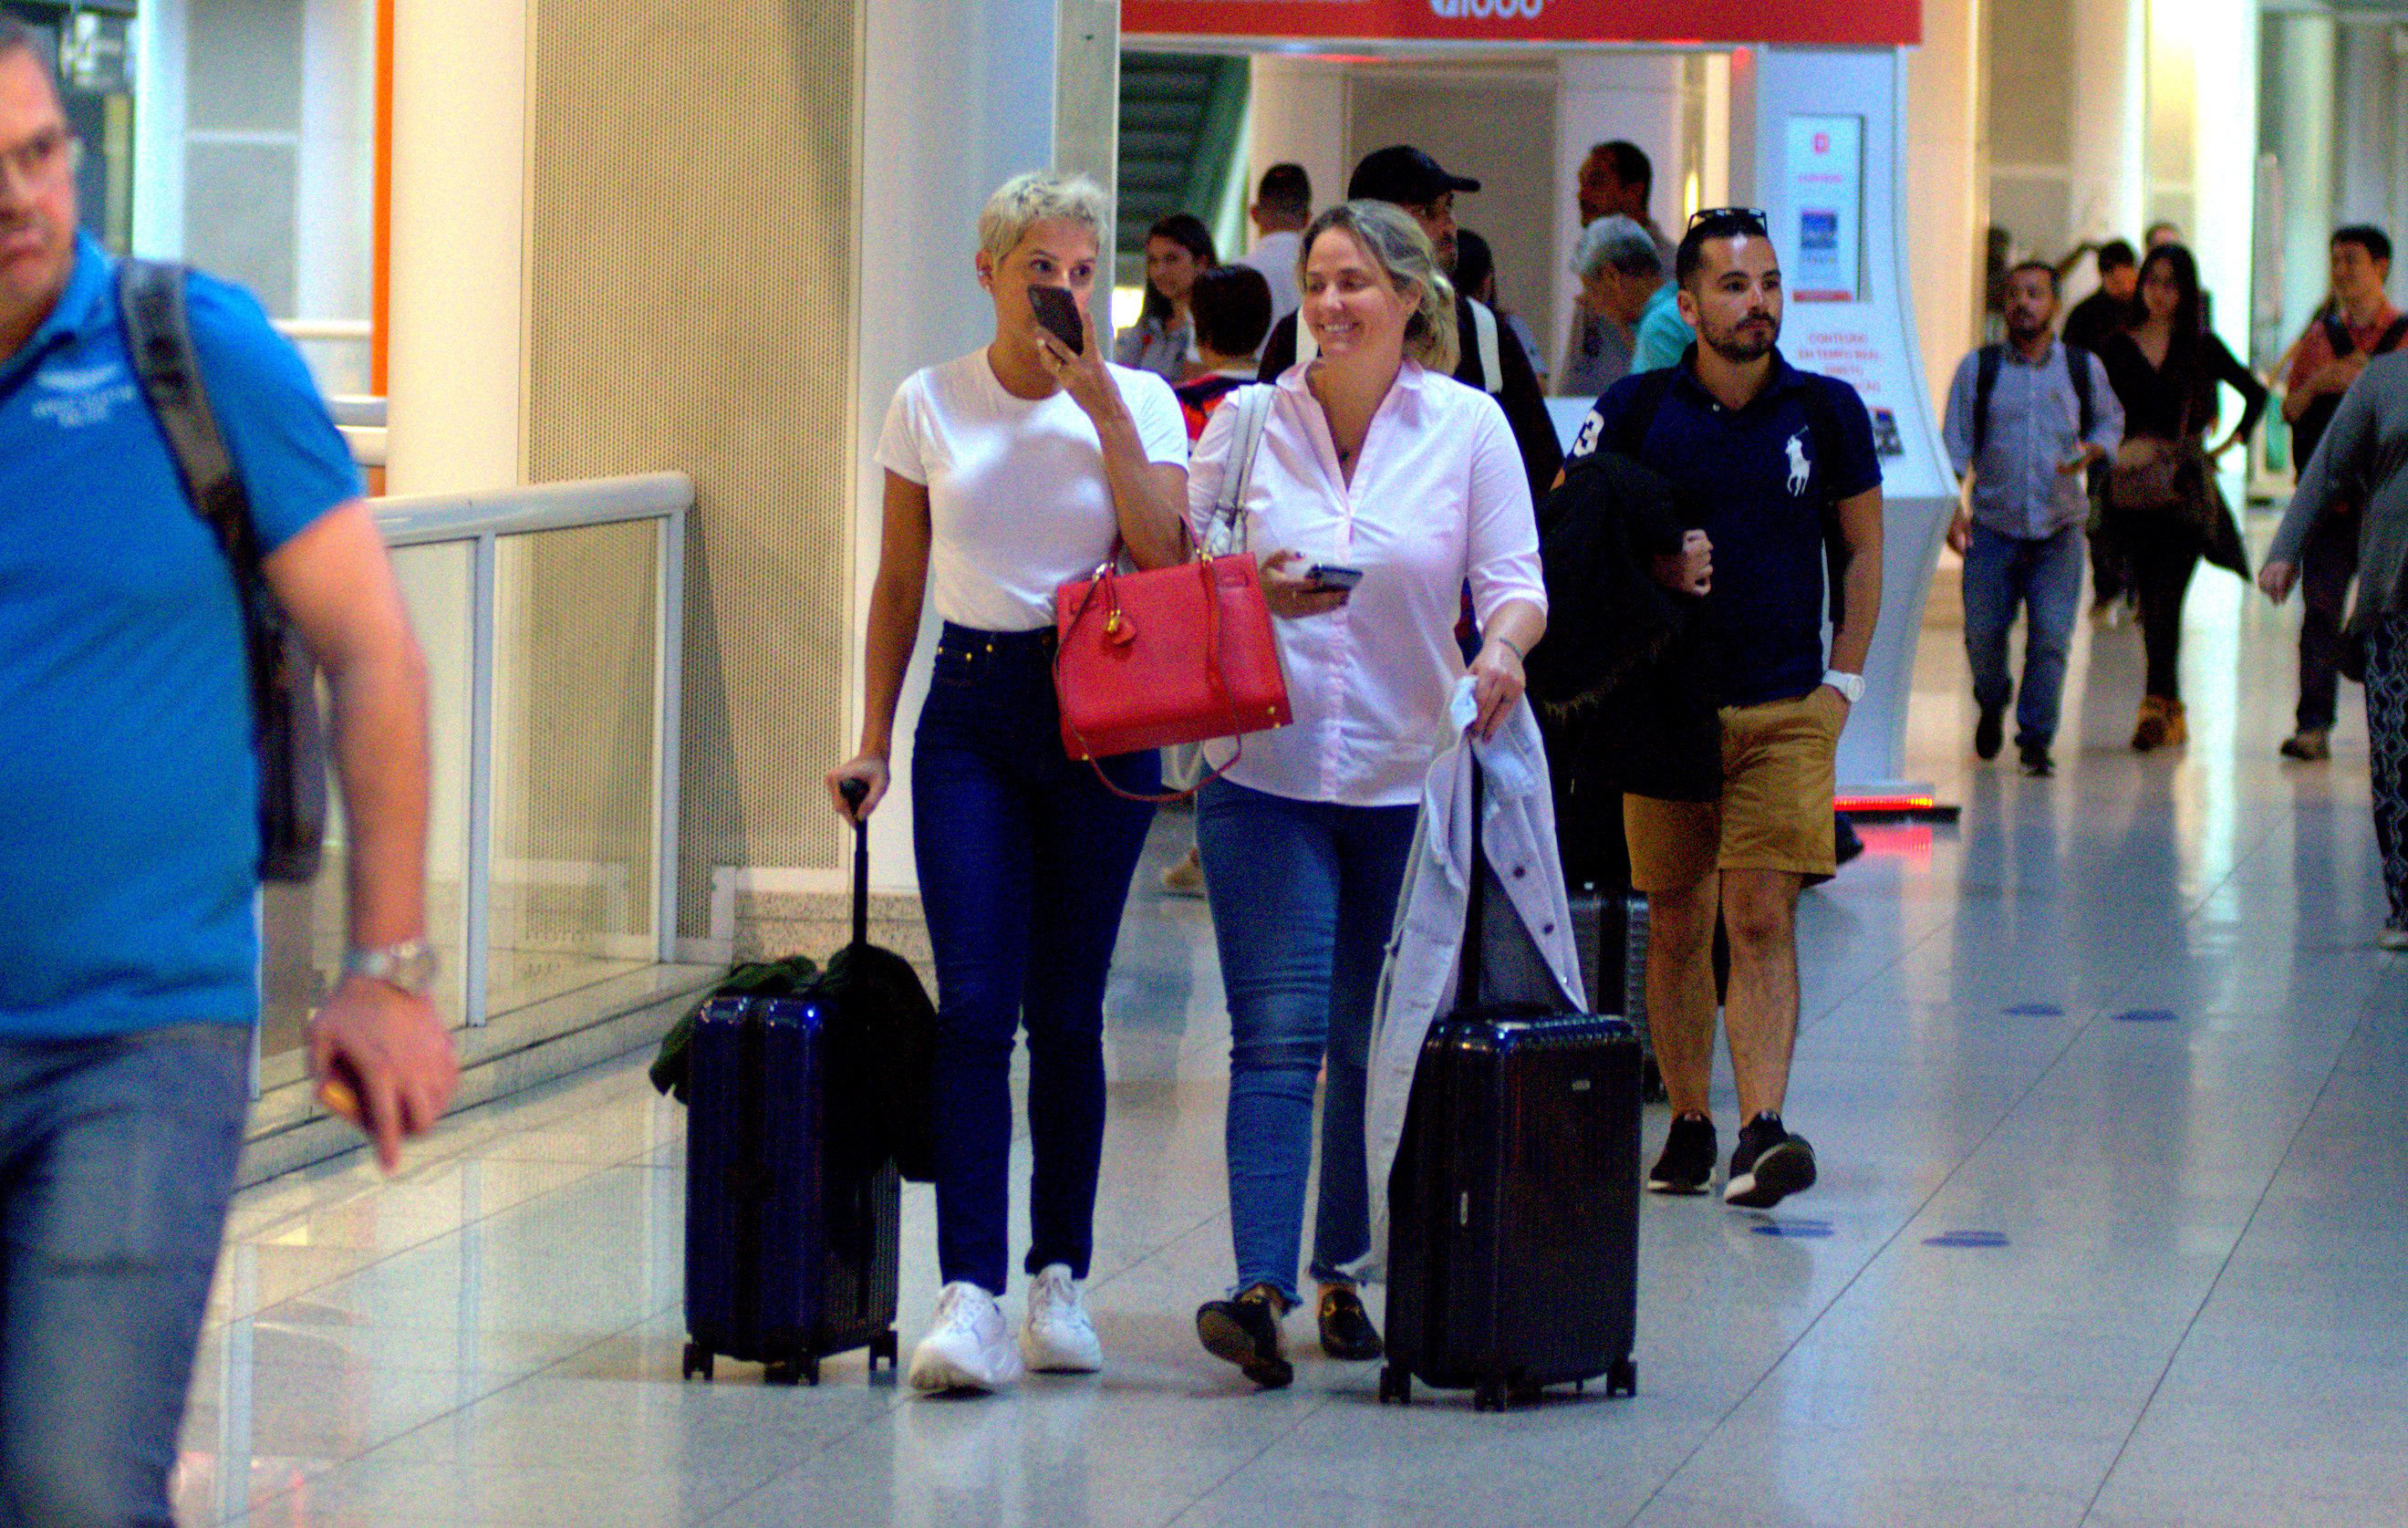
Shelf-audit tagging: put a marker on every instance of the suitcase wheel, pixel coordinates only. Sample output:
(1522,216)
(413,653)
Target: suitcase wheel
(1623,1378)
(1488,1395)
(782,1372)
(1396,1385)
(697,1362)
(884,1346)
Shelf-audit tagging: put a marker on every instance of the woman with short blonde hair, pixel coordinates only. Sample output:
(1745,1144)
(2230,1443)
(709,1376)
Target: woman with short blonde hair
(1380,488)
(1010,471)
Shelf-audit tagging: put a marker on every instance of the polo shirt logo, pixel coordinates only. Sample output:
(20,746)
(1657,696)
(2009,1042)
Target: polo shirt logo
(76,398)
(1802,471)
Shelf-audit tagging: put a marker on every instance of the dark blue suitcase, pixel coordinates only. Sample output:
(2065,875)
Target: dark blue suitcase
(792,1250)
(1514,1203)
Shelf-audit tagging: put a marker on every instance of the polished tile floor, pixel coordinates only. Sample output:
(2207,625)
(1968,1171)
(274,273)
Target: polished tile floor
(2126,1026)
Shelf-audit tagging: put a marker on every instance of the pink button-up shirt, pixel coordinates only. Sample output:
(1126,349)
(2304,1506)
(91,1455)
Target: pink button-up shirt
(1440,497)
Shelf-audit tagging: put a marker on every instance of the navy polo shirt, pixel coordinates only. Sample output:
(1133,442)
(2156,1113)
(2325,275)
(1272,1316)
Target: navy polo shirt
(128,883)
(1761,480)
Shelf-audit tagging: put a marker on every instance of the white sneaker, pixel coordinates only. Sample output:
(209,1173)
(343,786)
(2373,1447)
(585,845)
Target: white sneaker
(969,1347)
(1057,1337)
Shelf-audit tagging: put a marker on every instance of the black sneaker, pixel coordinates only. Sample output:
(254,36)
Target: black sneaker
(1687,1165)
(1246,1331)
(2036,760)
(1990,732)
(1769,1166)
(1346,1329)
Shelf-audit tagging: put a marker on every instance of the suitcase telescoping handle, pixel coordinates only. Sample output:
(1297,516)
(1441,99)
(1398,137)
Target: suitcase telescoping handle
(1468,965)
(854,791)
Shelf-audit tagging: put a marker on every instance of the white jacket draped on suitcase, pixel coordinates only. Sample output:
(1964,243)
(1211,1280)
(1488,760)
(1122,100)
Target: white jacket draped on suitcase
(1530,952)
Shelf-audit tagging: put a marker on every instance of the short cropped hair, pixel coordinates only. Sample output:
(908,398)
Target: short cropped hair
(1730,223)
(2041,266)
(1620,242)
(2367,236)
(1231,307)
(1286,189)
(1025,201)
(2118,254)
(1631,165)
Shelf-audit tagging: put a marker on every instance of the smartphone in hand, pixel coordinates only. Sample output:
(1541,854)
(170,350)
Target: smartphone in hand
(1059,312)
(1331,576)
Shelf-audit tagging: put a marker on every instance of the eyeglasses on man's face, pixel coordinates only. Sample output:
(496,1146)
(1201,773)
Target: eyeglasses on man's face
(41,161)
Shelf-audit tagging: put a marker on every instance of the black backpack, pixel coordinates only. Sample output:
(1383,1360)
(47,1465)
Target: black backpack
(286,730)
(1648,393)
(1993,358)
(2318,416)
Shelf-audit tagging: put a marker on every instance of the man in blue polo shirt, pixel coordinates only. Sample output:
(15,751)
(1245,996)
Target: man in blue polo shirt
(1776,463)
(128,867)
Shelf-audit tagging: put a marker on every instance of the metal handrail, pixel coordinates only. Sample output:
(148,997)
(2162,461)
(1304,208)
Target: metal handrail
(479,521)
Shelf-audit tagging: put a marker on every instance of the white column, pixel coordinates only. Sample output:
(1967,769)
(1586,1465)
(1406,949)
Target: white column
(1601,98)
(1299,116)
(2362,118)
(2224,41)
(333,200)
(945,126)
(2302,132)
(159,130)
(459,237)
(1947,185)
(2109,107)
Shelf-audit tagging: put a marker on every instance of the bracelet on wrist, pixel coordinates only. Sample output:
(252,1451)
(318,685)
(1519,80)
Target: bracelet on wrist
(1507,643)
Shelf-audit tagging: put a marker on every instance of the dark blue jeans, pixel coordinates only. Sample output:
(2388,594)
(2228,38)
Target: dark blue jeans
(117,1159)
(1025,862)
(1304,894)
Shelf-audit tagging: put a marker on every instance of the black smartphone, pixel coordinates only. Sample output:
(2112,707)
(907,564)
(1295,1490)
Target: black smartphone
(1331,577)
(1059,312)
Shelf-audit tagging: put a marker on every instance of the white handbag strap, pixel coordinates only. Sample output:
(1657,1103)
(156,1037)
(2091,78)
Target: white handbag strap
(1253,403)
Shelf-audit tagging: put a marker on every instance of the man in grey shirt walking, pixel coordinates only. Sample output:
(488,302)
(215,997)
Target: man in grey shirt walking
(2360,462)
(2028,419)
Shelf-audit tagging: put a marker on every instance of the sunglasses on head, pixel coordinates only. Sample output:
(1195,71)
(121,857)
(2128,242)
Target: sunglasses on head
(1751,218)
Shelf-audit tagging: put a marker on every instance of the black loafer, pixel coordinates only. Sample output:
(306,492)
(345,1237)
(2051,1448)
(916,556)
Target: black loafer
(1246,1331)
(1346,1329)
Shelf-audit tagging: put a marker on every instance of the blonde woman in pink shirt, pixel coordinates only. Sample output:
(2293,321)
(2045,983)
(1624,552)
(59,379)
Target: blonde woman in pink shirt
(1375,463)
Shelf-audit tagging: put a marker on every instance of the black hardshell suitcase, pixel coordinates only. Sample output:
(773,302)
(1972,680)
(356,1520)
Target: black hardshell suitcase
(1514,1219)
(793,1235)
(1611,927)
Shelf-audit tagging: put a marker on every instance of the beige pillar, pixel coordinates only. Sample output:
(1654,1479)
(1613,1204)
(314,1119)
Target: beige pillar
(1947,183)
(459,237)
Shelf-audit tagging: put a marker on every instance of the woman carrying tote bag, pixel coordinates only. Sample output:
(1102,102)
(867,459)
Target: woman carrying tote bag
(2163,509)
(1380,486)
(1010,471)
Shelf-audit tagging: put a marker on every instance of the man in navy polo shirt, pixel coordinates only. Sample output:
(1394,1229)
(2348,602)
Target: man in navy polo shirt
(128,866)
(1775,463)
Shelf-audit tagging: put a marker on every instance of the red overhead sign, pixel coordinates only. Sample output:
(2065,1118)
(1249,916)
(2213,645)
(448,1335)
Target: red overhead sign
(1831,23)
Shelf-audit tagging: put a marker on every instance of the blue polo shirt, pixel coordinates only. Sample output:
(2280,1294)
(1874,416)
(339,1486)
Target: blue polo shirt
(1762,481)
(128,883)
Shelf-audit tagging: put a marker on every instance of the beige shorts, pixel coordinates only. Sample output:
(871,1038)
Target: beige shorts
(1779,778)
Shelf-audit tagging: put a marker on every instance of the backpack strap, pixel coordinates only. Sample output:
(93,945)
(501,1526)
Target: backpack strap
(2078,371)
(1485,344)
(159,338)
(2397,331)
(1252,407)
(1986,382)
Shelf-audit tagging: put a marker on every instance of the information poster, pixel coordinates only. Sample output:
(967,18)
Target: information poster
(1826,169)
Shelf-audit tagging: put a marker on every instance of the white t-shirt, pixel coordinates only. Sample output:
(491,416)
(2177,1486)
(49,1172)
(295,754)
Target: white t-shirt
(1274,255)
(1018,503)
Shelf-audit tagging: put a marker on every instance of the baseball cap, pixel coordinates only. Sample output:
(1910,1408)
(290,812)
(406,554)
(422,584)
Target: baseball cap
(1404,174)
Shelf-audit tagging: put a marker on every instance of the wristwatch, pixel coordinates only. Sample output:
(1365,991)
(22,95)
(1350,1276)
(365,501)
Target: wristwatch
(411,965)
(1851,686)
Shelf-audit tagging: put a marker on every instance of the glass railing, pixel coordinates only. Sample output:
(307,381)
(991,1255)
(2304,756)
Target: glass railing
(551,620)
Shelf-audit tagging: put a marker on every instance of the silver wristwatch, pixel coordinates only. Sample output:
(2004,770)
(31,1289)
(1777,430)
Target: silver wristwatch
(411,965)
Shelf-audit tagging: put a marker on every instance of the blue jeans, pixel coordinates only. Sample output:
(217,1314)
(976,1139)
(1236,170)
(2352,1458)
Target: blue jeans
(117,1159)
(1303,896)
(2005,575)
(1025,862)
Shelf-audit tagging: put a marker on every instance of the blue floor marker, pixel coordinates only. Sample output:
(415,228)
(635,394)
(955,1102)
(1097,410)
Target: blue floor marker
(2147,1015)
(2037,1010)
(1795,1229)
(1967,1239)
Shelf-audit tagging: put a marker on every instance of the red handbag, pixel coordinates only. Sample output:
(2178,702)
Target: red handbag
(1175,655)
